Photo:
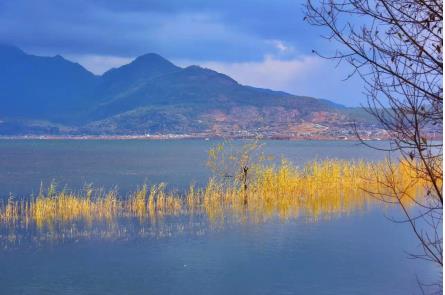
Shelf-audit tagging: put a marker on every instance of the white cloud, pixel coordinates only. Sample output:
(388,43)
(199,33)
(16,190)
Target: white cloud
(270,73)
(282,47)
(98,64)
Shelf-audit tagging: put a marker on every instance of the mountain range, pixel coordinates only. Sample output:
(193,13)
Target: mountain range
(54,96)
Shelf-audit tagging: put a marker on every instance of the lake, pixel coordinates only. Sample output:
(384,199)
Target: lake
(25,164)
(357,253)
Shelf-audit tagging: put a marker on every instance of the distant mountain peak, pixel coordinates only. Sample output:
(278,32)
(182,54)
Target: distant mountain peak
(146,66)
(154,62)
(152,57)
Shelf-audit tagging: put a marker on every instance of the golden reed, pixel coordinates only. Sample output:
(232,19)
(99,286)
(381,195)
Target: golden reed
(319,189)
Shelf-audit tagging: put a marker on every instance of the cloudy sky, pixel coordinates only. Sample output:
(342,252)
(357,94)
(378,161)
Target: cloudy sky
(257,42)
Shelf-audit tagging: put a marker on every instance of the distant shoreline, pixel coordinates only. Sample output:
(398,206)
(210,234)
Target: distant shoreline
(178,137)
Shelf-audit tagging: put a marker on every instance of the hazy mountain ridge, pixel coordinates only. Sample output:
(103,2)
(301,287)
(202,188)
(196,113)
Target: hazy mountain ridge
(51,95)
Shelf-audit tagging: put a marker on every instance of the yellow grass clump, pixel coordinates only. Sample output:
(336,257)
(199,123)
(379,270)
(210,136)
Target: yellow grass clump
(318,189)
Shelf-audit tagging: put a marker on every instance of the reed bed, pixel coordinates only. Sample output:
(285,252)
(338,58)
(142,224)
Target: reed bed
(319,189)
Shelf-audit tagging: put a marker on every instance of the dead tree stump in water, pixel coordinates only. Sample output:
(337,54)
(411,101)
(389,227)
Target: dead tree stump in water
(244,179)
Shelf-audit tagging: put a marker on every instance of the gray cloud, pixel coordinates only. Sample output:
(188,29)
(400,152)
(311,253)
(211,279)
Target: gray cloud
(103,33)
(226,30)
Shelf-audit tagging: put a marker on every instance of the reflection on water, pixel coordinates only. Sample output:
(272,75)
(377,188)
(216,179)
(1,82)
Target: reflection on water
(356,254)
(127,228)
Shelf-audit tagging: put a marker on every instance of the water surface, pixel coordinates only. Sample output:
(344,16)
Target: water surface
(357,253)
(25,164)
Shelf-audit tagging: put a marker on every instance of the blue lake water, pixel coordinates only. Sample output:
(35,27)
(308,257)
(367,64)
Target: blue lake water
(25,164)
(359,253)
